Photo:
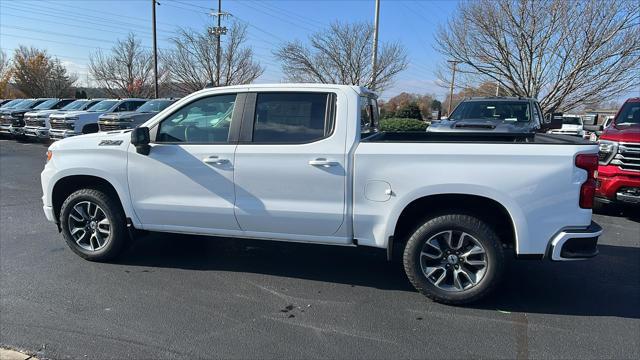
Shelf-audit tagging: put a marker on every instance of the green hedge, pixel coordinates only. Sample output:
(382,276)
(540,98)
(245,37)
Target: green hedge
(402,124)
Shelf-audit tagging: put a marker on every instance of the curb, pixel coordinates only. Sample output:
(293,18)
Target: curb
(7,354)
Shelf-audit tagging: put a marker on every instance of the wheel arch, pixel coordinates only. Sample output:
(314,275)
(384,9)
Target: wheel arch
(66,185)
(494,212)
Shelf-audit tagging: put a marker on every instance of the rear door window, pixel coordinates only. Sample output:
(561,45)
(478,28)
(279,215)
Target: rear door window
(292,118)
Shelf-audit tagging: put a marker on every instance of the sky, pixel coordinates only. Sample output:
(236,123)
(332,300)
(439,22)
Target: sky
(72,29)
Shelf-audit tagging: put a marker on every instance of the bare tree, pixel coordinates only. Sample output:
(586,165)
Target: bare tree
(562,52)
(193,61)
(60,82)
(127,71)
(36,74)
(342,55)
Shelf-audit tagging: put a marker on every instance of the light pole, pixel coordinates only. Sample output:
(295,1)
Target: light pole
(155,50)
(374,56)
(217,32)
(453,79)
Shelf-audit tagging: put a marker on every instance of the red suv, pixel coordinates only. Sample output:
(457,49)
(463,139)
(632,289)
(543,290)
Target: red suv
(619,170)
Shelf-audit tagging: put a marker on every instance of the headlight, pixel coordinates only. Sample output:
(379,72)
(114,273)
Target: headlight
(607,150)
(70,120)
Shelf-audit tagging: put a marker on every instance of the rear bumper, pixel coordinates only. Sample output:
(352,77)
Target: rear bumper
(575,244)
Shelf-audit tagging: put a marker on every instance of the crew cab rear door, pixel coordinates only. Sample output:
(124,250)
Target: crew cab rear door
(185,183)
(290,174)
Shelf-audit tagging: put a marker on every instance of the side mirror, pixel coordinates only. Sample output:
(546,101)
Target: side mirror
(552,121)
(590,119)
(140,138)
(593,128)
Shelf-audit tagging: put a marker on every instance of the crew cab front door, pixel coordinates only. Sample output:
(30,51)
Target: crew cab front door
(290,167)
(185,183)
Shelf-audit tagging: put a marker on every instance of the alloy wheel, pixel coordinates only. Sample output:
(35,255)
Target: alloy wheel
(453,260)
(89,226)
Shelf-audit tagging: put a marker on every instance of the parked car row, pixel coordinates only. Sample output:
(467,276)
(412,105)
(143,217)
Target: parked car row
(55,119)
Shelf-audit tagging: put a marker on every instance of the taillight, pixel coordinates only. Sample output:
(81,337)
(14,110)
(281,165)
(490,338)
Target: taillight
(588,162)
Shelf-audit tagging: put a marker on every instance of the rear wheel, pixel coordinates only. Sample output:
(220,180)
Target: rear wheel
(93,225)
(454,259)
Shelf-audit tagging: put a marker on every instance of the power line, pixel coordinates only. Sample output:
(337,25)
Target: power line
(278,16)
(286,11)
(67,35)
(78,16)
(77,26)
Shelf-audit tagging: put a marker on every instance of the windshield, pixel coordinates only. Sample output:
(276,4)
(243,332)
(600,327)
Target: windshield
(26,104)
(12,104)
(76,105)
(154,106)
(571,120)
(103,105)
(48,104)
(516,111)
(629,114)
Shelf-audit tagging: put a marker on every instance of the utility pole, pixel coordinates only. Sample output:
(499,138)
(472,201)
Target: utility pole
(453,79)
(217,32)
(155,50)
(374,56)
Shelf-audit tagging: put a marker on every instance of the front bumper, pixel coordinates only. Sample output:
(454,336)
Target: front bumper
(567,132)
(5,129)
(575,244)
(57,134)
(36,132)
(49,214)
(16,130)
(617,185)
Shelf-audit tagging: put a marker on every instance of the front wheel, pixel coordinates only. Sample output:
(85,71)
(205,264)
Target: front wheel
(454,259)
(93,225)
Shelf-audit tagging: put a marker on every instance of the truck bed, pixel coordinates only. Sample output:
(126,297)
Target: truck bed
(474,137)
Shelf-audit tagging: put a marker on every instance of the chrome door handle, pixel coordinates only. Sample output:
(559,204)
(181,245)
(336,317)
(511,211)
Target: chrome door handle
(323,162)
(215,160)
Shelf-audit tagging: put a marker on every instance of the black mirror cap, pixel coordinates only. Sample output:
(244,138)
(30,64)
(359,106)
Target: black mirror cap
(552,121)
(593,128)
(140,138)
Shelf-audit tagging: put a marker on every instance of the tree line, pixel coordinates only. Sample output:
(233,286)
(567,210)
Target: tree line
(565,53)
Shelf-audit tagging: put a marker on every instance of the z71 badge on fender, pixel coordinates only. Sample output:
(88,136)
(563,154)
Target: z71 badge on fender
(110,143)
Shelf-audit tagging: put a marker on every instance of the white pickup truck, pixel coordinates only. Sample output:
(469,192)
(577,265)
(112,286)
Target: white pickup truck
(305,163)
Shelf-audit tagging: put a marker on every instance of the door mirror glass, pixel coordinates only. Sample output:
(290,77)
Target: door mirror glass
(140,138)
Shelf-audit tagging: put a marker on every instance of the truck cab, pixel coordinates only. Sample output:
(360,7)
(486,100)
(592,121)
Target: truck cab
(571,125)
(130,119)
(619,157)
(11,118)
(85,122)
(37,123)
(493,114)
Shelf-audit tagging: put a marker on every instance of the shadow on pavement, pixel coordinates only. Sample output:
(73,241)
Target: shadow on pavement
(607,285)
(625,211)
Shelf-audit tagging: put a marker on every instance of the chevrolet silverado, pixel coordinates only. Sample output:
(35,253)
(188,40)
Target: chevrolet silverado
(306,163)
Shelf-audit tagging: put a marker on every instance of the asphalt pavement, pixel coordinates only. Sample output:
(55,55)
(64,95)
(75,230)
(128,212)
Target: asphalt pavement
(174,296)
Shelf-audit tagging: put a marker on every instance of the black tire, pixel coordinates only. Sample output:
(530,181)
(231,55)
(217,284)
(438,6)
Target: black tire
(493,256)
(115,241)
